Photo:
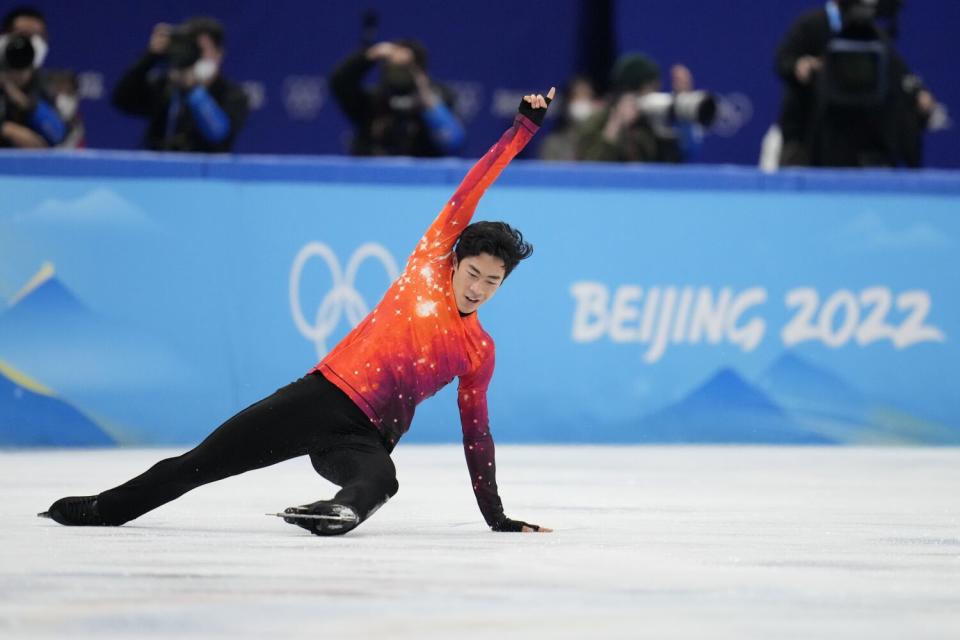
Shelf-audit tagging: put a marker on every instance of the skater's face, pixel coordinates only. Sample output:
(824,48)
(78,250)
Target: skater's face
(476,279)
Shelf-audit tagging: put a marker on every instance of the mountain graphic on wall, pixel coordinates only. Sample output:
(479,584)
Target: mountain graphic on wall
(107,368)
(726,409)
(803,384)
(827,404)
(49,333)
(31,415)
(43,296)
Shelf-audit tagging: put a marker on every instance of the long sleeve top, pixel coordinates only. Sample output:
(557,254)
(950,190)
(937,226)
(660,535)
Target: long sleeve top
(40,116)
(415,341)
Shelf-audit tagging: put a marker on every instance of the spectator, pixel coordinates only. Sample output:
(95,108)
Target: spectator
(60,85)
(28,118)
(406,113)
(820,127)
(190,106)
(580,102)
(625,132)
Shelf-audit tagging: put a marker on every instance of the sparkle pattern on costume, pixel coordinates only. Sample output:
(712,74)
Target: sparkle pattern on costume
(415,341)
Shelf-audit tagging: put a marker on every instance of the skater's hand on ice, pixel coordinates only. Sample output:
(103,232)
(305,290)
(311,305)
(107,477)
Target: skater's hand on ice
(514,526)
(534,106)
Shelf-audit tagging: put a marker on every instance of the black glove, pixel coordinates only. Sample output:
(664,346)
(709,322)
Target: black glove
(535,115)
(512,526)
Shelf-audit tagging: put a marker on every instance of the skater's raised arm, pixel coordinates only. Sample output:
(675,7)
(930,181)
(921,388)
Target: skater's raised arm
(456,214)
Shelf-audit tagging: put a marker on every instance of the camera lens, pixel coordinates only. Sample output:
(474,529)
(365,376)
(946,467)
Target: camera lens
(183,50)
(19,52)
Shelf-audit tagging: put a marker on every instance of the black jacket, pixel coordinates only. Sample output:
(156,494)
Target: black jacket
(10,111)
(808,36)
(887,134)
(143,93)
(381,127)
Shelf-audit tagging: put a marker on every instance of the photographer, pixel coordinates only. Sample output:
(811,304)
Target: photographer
(849,99)
(28,118)
(405,113)
(641,125)
(578,103)
(190,105)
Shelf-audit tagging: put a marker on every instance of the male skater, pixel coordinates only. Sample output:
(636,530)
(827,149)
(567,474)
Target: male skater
(349,411)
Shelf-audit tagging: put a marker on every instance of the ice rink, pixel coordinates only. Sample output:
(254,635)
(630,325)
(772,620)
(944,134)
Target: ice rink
(651,542)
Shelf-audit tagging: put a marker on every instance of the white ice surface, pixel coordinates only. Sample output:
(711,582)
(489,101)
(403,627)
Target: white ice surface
(651,543)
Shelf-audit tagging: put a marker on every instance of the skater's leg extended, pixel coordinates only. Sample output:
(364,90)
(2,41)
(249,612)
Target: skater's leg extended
(282,426)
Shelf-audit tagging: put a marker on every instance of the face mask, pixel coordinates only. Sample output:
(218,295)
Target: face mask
(205,69)
(67,106)
(580,110)
(40,49)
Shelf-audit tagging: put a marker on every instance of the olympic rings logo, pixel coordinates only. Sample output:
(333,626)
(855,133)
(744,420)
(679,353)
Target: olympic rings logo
(343,298)
(734,111)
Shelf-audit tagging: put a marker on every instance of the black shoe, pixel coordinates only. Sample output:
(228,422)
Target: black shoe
(323,518)
(78,511)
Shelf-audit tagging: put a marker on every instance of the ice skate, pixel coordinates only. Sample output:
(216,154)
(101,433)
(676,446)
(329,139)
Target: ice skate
(76,511)
(322,518)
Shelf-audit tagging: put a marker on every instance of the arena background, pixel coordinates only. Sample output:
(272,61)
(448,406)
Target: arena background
(144,298)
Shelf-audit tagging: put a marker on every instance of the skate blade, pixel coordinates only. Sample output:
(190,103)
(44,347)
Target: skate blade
(309,516)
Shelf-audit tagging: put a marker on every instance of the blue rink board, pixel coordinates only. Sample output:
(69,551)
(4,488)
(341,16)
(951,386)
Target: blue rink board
(149,297)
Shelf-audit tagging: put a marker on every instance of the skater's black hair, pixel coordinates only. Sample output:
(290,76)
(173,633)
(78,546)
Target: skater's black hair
(497,239)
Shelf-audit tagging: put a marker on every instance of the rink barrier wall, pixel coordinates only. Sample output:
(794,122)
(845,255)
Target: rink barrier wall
(148,296)
(337,169)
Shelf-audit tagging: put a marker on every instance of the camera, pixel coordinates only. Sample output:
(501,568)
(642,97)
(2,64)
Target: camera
(870,9)
(19,51)
(857,58)
(183,50)
(855,73)
(690,107)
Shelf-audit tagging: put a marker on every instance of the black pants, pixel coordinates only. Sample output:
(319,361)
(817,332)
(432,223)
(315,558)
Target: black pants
(308,417)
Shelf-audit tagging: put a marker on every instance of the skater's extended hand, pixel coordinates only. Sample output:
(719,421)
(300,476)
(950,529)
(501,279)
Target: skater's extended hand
(534,106)
(514,526)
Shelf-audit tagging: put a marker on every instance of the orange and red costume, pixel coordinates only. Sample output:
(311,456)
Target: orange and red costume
(415,341)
